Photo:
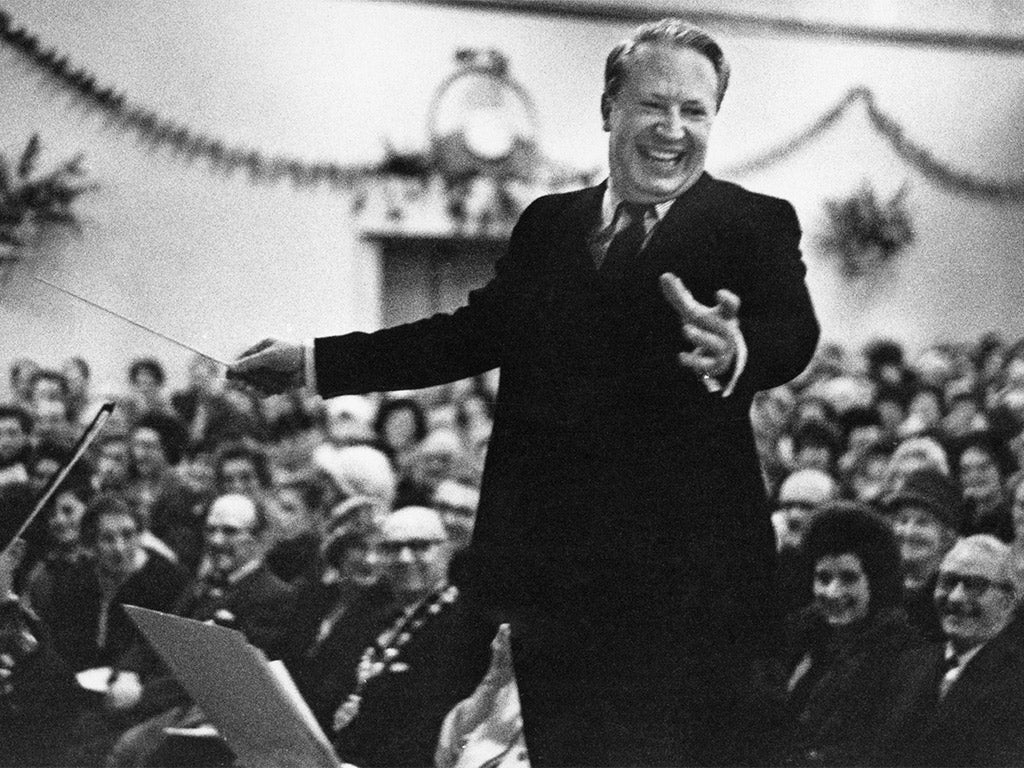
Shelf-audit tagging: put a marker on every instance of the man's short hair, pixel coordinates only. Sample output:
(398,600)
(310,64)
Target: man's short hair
(19,414)
(151,364)
(46,374)
(108,504)
(245,452)
(672,32)
(261,522)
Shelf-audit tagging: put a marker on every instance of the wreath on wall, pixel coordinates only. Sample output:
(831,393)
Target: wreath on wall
(32,201)
(865,232)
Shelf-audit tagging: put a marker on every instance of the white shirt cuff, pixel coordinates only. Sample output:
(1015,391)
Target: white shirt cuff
(309,363)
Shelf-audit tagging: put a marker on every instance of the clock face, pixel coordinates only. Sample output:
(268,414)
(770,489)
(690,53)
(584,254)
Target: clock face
(481,122)
(487,134)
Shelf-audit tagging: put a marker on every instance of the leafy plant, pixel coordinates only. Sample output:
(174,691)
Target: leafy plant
(44,199)
(866,232)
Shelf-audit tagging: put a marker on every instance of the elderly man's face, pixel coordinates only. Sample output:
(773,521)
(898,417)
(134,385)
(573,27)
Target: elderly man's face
(230,532)
(415,555)
(660,122)
(973,596)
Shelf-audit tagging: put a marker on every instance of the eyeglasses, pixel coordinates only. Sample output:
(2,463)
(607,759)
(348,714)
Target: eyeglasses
(417,546)
(229,531)
(974,586)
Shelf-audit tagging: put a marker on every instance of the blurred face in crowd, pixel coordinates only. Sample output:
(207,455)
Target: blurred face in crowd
(146,382)
(979,474)
(43,469)
(21,377)
(457,505)
(74,374)
(414,551)
(292,516)
(117,543)
(147,451)
(399,429)
(922,538)
(239,475)
(974,596)
(866,481)
(800,495)
(359,561)
(47,390)
(65,521)
(659,122)
(202,375)
(112,464)
(841,591)
(925,408)
(230,533)
(12,439)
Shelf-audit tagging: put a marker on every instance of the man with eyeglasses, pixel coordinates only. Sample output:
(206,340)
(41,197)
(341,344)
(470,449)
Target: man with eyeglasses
(415,667)
(961,702)
(234,588)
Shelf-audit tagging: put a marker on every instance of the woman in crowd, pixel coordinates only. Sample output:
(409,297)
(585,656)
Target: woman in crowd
(84,611)
(983,464)
(844,645)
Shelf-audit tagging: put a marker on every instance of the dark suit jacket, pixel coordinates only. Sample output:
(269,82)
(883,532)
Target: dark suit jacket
(979,722)
(260,605)
(615,483)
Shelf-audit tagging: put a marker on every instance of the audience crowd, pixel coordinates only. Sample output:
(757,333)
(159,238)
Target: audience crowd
(334,535)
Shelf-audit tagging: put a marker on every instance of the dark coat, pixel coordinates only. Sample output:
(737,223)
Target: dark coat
(608,461)
(616,485)
(259,605)
(402,710)
(979,722)
(73,611)
(839,707)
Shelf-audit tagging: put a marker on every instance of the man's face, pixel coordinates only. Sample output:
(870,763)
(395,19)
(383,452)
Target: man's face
(457,505)
(231,541)
(147,450)
(239,476)
(841,591)
(973,596)
(979,474)
(921,537)
(64,523)
(117,543)
(415,555)
(660,122)
(12,439)
(112,464)
(292,516)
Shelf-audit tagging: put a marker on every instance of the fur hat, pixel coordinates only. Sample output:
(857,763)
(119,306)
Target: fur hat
(929,489)
(846,527)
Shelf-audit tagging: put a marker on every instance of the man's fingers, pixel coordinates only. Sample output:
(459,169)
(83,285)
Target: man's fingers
(728,306)
(679,297)
(259,346)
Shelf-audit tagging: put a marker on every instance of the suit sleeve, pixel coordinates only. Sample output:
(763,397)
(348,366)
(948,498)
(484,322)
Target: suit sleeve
(436,350)
(776,314)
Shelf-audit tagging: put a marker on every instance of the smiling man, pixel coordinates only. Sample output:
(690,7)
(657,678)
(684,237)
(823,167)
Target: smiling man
(623,529)
(961,702)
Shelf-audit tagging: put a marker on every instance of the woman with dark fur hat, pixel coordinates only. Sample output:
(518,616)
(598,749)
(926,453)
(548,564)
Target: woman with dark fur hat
(844,645)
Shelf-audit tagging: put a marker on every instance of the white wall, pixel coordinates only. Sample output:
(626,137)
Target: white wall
(219,262)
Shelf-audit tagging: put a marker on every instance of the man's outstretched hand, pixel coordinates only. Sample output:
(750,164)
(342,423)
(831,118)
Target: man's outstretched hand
(272,366)
(713,330)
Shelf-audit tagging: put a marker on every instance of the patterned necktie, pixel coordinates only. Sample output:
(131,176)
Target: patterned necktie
(627,241)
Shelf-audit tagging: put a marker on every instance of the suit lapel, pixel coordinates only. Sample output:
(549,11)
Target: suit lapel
(674,245)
